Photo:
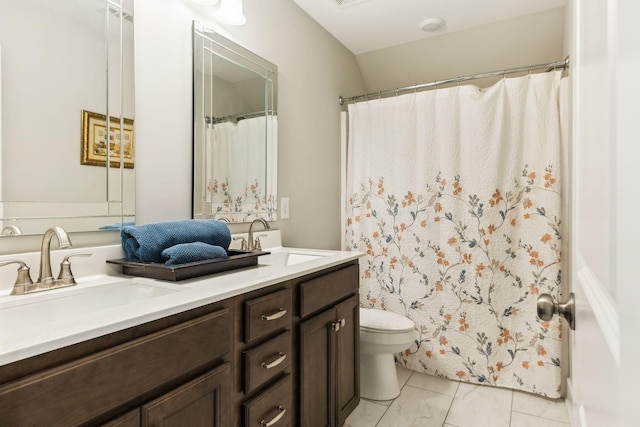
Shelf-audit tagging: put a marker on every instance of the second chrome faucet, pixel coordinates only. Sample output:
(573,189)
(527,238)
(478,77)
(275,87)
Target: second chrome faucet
(254,244)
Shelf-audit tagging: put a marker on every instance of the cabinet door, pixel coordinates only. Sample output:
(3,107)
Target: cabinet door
(347,358)
(198,403)
(317,395)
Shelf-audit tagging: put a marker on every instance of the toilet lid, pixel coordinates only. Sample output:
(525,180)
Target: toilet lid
(384,321)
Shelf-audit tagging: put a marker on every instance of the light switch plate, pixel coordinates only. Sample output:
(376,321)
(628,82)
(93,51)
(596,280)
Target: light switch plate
(284,207)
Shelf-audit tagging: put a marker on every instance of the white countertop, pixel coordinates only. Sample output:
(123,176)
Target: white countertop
(23,336)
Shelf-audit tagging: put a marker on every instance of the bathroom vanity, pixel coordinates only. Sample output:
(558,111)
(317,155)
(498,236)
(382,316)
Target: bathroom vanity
(272,345)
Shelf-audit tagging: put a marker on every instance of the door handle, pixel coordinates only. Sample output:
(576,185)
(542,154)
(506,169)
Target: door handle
(547,307)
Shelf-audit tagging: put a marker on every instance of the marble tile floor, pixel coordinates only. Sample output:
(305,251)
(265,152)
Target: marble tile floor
(428,401)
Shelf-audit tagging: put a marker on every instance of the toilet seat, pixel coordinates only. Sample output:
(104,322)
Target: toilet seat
(384,322)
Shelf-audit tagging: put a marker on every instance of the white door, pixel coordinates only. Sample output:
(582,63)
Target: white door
(604,381)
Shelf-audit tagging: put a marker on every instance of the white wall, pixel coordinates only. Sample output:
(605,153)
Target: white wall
(314,69)
(527,40)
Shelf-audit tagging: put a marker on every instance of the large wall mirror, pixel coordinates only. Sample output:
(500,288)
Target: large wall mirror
(66,66)
(235,130)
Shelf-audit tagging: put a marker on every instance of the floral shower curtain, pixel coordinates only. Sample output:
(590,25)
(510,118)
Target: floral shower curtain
(454,196)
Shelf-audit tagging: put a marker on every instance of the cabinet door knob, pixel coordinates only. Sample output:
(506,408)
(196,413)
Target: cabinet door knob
(278,314)
(335,326)
(274,419)
(343,322)
(279,360)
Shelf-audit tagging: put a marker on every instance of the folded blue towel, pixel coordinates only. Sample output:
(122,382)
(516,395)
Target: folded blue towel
(116,226)
(192,252)
(146,242)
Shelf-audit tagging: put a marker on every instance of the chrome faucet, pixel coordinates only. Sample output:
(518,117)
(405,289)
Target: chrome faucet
(255,244)
(24,284)
(46,277)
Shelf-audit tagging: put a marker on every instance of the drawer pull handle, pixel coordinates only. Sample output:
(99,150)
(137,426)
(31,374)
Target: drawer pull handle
(278,314)
(275,419)
(279,360)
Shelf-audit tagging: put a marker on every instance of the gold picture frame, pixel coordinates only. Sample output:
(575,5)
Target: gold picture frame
(94,146)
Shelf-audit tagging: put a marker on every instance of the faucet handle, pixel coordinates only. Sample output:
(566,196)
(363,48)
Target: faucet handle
(257,245)
(66,276)
(23,279)
(243,242)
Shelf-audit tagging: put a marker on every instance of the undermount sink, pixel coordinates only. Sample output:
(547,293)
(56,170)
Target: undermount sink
(290,257)
(77,301)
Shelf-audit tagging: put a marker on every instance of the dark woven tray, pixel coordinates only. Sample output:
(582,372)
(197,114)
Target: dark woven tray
(235,259)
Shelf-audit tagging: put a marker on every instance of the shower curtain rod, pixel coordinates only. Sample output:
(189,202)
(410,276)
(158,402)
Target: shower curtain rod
(548,67)
(238,117)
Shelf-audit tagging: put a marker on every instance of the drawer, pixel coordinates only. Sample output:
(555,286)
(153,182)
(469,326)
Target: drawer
(323,291)
(131,419)
(265,361)
(267,314)
(79,391)
(272,407)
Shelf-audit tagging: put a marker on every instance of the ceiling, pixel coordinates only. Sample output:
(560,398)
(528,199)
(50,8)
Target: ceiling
(366,25)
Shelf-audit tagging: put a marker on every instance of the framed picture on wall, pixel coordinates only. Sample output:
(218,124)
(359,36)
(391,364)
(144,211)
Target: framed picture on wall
(95,139)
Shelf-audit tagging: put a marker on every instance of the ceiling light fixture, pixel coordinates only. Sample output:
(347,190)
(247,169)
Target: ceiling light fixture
(230,12)
(431,24)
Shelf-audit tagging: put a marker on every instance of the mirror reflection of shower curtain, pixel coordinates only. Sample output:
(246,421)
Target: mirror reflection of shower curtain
(236,160)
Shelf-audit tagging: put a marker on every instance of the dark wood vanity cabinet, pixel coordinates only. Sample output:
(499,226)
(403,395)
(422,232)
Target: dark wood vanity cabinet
(329,350)
(284,355)
(300,337)
(110,379)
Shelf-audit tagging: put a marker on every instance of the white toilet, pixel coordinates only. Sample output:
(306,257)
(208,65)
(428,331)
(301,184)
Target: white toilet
(382,334)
